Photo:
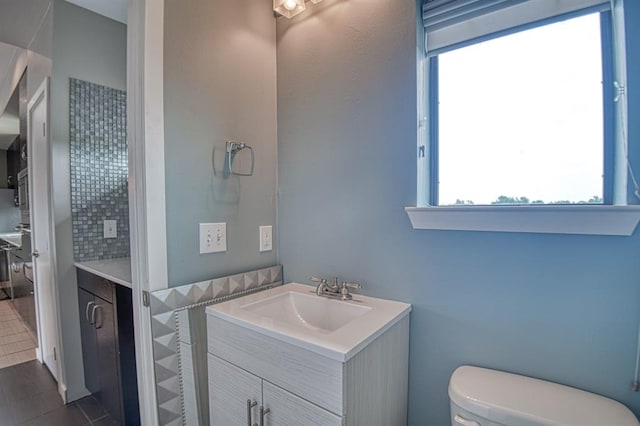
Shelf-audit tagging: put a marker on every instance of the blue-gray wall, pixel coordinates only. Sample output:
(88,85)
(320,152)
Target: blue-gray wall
(93,48)
(558,307)
(219,85)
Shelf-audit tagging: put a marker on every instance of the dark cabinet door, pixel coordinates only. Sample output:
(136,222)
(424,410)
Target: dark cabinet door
(108,346)
(22,111)
(89,346)
(108,369)
(127,352)
(13,165)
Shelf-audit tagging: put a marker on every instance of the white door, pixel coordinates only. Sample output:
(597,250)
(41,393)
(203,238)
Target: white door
(41,227)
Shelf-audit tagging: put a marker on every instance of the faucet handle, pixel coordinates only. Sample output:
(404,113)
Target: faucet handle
(318,280)
(345,293)
(351,285)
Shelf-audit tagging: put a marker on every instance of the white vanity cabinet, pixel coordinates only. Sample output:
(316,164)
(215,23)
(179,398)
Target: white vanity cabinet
(230,389)
(236,397)
(302,384)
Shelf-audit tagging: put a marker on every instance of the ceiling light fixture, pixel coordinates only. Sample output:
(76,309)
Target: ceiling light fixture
(290,8)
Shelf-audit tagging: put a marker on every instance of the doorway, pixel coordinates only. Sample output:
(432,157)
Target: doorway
(42,229)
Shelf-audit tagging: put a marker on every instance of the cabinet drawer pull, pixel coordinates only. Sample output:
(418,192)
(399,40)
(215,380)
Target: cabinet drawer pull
(464,422)
(86,312)
(263,412)
(250,405)
(94,317)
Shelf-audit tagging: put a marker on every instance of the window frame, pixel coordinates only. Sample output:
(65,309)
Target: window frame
(618,216)
(608,105)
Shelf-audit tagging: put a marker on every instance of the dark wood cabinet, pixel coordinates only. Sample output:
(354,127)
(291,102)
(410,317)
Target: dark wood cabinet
(108,348)
(22,288)
(86,301)
(17,158)
(22,111)
(13,164)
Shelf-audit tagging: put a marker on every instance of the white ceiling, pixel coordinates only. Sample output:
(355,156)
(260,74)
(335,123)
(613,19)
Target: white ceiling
(9,120)
(8,53)
(114,9)
(19,21)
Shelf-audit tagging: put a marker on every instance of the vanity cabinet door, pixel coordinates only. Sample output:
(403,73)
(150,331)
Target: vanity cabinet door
(286,409)
(89,345)
(108,368)
(108,347)
(229,389)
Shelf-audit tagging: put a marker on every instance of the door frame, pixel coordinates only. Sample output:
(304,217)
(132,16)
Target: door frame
(147,207)
(44,91)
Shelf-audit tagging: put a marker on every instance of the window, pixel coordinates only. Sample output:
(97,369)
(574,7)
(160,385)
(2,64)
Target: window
(520,117)
(507,116)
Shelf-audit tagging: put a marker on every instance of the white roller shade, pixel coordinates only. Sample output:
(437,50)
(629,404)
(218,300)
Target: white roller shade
(450,22)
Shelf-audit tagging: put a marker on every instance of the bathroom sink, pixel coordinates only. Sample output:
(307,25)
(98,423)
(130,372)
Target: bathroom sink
(294,314)
(306,310)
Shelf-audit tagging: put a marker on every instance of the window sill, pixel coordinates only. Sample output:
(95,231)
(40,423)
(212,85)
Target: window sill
(581,219)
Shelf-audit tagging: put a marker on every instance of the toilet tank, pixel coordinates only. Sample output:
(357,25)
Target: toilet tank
(483,397)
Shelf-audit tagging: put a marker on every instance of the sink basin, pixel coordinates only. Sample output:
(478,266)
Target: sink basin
(294,314)
(306,310)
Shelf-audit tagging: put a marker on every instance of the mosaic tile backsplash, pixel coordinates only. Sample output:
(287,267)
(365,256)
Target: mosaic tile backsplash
(99,170)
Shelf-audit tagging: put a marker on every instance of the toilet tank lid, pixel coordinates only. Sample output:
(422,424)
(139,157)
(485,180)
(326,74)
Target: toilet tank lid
(513,399)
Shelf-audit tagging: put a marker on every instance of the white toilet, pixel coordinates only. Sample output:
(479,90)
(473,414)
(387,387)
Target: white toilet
(483,397)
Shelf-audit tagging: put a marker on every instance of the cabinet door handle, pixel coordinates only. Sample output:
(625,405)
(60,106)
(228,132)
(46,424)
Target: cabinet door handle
(101,316)
(86,312)
(263,412)
(250,405)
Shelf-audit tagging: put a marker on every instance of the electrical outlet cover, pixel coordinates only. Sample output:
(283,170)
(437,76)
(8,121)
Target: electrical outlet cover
(213,237)
(110,229)
(266,238)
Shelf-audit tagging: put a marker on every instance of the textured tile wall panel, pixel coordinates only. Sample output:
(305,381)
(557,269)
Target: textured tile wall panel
(167,318)
(99,170)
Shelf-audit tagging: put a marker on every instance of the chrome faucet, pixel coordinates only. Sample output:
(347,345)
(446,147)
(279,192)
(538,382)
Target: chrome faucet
(333,290)
(324,288)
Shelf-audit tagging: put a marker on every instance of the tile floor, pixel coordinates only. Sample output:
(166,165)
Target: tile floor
(17,344)
(28,393)
(29,397)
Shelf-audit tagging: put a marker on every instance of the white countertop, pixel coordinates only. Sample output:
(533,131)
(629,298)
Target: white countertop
(116,270)
(341,344)
(13,238)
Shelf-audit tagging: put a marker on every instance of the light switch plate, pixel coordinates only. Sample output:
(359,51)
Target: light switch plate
(213,237)
(266,238)
(110,229)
